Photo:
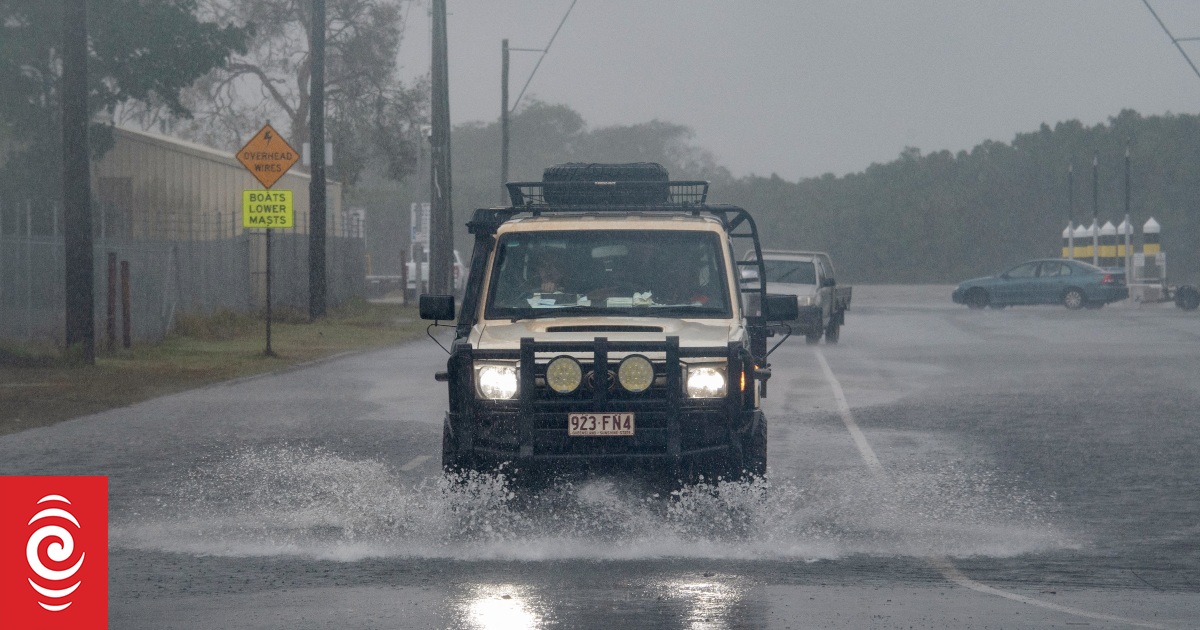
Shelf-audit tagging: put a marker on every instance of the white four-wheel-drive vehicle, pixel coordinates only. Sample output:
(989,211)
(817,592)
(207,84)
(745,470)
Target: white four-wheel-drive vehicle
(418,281)
(605,321)
(810,277)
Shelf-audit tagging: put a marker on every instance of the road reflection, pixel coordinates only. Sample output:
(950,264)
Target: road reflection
(502,607)
(693,602)
(712,604)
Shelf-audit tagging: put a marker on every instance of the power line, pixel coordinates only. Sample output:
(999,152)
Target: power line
(1173,38)
(547,49)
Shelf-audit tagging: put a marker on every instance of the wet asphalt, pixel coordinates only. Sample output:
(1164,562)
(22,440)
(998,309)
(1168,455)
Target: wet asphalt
(1018,468)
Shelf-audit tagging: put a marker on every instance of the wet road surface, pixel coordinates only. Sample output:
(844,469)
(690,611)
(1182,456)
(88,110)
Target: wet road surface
(939,468)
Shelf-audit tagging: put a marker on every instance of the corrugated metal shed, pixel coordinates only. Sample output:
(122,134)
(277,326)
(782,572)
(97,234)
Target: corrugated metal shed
(152,186)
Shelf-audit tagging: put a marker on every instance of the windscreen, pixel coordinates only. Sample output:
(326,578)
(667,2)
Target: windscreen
(608,272)
(790,271)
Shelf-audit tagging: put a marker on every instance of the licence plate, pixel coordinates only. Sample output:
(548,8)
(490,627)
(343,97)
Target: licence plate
(599,424)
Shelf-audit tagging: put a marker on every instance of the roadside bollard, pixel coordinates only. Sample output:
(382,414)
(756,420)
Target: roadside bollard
(1153,257)
(1124,231)
(1108,245)
(1085,248)
(1081,238)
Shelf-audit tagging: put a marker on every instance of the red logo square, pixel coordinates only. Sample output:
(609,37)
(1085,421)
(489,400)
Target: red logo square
(54,553)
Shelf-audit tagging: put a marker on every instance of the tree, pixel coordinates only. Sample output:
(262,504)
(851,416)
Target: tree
(139,51)
(544,134)
(371,116)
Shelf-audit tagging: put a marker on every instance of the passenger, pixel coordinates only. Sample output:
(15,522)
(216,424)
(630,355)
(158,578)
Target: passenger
(679,285)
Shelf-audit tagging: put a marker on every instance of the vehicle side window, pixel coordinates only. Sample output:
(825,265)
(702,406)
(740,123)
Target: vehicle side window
(1028,270)
(1051,269)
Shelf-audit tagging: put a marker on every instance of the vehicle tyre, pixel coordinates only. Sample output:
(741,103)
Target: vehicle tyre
(977,299)
(1187,298)
(1093,306)
(833,332)
(453,461)
(654,189)
(752,461)
(812,338)
(1073,299)
(754,451)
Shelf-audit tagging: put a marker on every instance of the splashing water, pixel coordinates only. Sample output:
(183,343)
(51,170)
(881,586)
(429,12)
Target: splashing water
(309,501)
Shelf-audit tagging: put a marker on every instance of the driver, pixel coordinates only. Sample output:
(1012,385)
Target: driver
(549,273)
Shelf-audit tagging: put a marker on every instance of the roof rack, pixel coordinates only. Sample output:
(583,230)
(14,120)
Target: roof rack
(597,195)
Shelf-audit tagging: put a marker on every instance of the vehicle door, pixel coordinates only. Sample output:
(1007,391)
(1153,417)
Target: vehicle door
(1051,281)
(1016,286)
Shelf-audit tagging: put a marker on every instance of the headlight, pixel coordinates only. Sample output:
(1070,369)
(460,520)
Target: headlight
(564,374)
(496,381)
(804,300)
(706,381)
(636,373)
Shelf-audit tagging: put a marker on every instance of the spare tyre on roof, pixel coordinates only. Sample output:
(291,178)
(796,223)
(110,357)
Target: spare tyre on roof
(583,183)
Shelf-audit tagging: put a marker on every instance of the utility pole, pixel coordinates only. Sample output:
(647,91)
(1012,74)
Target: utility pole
(1096,208)
(503,122)
(1126,177)
(77,186)
(1128,223)
(1071,211)
(316,186)
(505,111)
(441,237)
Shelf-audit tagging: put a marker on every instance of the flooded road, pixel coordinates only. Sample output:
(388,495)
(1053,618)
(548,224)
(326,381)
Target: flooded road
(939,468)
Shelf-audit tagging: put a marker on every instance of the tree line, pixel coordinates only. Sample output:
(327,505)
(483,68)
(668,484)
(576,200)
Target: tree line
(935,217)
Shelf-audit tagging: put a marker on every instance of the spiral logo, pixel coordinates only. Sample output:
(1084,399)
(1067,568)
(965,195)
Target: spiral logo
(50,551)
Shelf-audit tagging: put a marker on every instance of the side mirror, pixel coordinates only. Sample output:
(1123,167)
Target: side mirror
(437,307)
(829,282)
(781,308)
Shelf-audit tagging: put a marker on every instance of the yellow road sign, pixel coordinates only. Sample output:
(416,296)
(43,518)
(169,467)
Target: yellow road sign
(267,209)
(267,156)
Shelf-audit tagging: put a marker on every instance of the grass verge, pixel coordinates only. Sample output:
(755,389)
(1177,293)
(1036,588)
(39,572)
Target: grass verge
(40,386)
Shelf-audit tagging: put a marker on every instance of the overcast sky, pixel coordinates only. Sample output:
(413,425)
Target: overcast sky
(805,88)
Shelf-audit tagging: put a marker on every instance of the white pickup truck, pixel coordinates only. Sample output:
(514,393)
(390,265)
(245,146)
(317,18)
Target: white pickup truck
(459,271)
(810,277)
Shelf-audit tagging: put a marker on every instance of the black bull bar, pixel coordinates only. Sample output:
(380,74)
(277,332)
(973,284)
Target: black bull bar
(669,398)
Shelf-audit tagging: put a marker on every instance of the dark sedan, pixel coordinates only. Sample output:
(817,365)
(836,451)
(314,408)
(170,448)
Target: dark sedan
(1072,283)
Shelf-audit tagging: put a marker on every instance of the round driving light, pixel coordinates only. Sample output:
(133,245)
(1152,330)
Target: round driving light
(564,374)
(636,373)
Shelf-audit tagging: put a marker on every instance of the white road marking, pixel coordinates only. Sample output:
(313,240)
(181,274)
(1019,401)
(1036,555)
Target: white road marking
(942,564)
(954,575)
(416,461)
(860,440)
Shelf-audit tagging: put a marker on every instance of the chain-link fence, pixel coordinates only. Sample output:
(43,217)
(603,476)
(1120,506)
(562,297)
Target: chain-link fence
(194,264)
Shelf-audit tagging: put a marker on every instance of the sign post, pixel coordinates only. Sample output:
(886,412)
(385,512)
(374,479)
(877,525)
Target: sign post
(267,157)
